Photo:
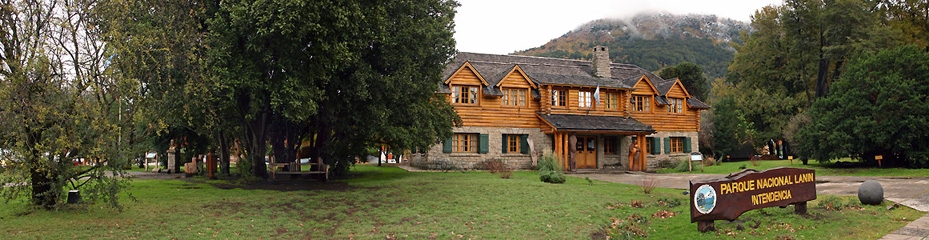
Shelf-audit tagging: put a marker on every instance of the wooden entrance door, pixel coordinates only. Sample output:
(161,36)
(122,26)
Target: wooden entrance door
(586,151)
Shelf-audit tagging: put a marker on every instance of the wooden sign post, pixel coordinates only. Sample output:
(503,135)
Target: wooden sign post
(747,190)
(879,158)
(696,156)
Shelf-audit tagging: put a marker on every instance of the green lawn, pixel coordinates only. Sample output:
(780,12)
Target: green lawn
(827,169)
(388,201)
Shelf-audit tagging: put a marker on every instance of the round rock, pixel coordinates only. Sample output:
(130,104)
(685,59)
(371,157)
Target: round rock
(871,192)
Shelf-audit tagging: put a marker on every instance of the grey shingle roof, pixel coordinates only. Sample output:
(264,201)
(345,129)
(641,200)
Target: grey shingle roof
(696,103)
(664,86)
(555,71)
(595,123)
(550,71)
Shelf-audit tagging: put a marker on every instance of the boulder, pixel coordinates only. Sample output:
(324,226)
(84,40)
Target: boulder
(870,192)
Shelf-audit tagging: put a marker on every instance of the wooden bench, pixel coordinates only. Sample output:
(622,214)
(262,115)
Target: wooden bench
(294,168)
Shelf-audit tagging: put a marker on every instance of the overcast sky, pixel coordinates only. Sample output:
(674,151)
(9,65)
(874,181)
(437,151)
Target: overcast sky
(505,26)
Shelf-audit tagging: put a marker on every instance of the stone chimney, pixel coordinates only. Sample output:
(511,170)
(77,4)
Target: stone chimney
(602,61)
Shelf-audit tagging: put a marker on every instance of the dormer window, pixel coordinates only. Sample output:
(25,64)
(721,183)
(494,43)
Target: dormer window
(464,94)
(641,103)
(514,97)
(676,105)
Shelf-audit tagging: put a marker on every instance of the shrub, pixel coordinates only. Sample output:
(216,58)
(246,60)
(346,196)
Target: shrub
(665,163)
(648,184)
(498,167)
(709,161)
(549,170)
(836,203)
(669,202)
(682,166)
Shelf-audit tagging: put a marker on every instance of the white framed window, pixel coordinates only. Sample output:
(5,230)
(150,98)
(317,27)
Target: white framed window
(584,99)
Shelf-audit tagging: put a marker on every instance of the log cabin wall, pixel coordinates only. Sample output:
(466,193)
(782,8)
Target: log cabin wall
(490,110)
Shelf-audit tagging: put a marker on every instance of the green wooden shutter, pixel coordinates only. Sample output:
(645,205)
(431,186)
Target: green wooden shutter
(447,146)
(687,145)
(667,145)
(483,143)
(656,145)
(505,145)
(524,143)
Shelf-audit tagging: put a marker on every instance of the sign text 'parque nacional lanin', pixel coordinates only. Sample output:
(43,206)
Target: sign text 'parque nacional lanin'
(727,198)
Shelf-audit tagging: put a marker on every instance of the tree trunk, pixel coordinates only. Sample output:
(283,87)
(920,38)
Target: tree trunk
(256,138)
(224,151)
(318,153)
(821,77)
(43,185)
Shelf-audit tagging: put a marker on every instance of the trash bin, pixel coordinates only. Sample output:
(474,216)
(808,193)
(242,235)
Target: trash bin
(74,196)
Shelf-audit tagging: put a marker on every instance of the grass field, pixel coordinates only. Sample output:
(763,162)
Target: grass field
(385,202)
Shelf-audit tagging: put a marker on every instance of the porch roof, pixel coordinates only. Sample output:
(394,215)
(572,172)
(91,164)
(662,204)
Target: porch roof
(602,124)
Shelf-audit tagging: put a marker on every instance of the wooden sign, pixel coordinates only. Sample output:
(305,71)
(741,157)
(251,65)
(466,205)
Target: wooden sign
(727,198)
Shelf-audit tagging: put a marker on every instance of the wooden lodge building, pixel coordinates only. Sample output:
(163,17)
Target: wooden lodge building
(512,105)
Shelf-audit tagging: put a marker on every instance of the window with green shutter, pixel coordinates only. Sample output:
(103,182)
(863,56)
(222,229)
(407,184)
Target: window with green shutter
(667,145)
(687,145)
(504,139)
(447,146)
(654,145)
(677,145)
(524,143)
(483,144)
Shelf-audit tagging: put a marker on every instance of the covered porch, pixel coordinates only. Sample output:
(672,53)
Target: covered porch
(584,141)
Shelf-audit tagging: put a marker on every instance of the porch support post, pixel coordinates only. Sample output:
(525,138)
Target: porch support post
(564,151)
(642,158)
(572,151)
(557,144)
(632,161)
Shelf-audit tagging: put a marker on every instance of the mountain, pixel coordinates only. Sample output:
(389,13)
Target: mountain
(653,41)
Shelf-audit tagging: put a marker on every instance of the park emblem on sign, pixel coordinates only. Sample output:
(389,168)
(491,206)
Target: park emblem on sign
(747,190)
(705,199)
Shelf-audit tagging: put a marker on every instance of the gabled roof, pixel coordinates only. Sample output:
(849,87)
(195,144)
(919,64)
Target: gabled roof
(563,122)
(465,65)
(517,69)
(647,80)
(666,87)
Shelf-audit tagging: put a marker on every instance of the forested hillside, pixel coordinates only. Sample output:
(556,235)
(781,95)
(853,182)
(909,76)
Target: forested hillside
(653,41)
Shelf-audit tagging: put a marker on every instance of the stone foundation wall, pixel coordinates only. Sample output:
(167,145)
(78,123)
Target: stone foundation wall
(434,158)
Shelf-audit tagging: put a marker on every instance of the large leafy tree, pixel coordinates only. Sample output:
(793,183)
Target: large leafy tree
(163,47)
(880,106)
(61,101)
(795,52)
(342,74)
